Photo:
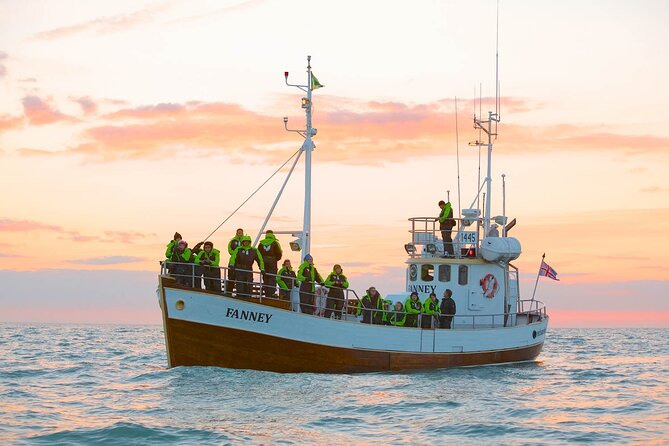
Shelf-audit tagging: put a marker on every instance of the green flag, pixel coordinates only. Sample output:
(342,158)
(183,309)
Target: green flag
(314,82)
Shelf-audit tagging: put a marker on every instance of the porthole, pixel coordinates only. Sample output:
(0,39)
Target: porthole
(179,305)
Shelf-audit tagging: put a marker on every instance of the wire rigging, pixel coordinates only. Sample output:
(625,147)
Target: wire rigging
(254,192)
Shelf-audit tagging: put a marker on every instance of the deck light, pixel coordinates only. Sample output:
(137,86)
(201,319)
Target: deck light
(296,245)
(410,248)
(468,252)
(305,102)
(431,248)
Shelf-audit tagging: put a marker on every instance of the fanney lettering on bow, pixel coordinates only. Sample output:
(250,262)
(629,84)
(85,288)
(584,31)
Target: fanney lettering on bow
(248,315)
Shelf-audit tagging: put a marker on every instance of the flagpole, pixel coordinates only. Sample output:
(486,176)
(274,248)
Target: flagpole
(538,273)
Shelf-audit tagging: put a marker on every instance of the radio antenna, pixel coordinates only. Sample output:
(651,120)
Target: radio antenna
(497,97)
(457,151)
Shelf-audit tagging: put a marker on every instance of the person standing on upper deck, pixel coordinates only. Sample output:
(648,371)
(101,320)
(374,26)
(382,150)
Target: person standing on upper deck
(413,307)
(242,259)
(209,260)
(447,310)
(308,276)
(286,279)
(233,244)
(446,223)
(271,252)
(337,282)
(430,311)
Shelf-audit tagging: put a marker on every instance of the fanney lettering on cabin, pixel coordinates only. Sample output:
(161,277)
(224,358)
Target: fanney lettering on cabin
(248,315)
(422,288)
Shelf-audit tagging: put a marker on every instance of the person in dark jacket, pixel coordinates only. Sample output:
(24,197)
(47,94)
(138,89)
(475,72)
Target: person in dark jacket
(446,223)
(271,252)
(209,260)
(243,258)
(337,282)
(413,308)
(286,279)
(430,312)
(370,306)
(398,317)
(182,266)
(233,244)
(308,276)
(170,249)
(447,310)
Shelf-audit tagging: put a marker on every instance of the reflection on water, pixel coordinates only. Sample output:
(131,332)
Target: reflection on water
(86,384)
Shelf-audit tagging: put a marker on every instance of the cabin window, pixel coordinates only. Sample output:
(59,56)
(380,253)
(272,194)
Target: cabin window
(427,273)
(444,273)
(462,274)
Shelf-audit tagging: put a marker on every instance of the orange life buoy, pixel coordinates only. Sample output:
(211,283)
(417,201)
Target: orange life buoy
(490,285)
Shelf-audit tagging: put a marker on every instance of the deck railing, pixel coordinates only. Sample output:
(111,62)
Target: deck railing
(350,308)
(426,237)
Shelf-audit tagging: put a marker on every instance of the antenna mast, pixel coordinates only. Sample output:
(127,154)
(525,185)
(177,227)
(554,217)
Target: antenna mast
(307,147)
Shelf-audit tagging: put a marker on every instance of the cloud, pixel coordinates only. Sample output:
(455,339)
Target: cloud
(3,69)
(654,189)
(105,25)
(40,112)
(107,260)
(88,106)
(241,6)
(350,131)
(10,122)
(129,237)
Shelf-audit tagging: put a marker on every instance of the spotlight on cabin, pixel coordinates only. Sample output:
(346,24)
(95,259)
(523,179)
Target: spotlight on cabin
(431,248)
(410,248)
(296,245)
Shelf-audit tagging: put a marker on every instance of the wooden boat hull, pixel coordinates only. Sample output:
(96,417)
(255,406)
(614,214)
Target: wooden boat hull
(198,333)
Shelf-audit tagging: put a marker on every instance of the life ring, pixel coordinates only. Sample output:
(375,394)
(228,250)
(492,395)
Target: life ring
(490,286)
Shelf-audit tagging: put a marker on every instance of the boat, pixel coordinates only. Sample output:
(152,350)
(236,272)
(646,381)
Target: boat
(492,324)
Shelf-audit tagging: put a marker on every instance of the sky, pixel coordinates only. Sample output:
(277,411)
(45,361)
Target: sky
(123,122)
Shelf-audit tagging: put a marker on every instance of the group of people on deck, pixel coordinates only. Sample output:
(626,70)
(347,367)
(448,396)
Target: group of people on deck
(203,263)
(431,313)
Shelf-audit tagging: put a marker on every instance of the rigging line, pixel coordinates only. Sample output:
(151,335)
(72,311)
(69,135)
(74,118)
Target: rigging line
(497,92)
(251,196)
(457,151)
(478,203)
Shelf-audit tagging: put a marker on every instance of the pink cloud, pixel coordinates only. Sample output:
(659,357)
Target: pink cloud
(3,69)
(40,112)
(129,237)
(88,106)
(104,25)
(376,132)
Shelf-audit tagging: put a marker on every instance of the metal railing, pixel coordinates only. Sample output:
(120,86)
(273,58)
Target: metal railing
(350,308)
(425,232)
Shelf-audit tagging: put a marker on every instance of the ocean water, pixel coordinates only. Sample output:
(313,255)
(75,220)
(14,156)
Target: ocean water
(69,385)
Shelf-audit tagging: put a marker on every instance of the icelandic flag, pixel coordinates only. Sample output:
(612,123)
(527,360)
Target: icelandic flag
(547,271)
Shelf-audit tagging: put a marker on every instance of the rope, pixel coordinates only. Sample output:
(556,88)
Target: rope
(251,196)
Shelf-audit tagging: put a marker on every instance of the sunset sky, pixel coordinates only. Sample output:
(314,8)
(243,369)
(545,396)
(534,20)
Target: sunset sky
(121,122)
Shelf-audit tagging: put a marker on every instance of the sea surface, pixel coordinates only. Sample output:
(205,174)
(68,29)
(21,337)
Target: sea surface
(69,385)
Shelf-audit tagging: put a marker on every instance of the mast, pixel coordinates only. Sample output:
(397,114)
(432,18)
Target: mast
(307,147)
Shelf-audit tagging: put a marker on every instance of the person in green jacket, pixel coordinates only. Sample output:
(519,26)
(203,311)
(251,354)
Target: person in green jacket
(337,283)
(430,311)
(370,306)
(242,259)
(271,252)
(413,307)
(446,223)
(286,279)
(398,316)
(233,244)
(209,260)
(385,315)
(170,248)
(308,276)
